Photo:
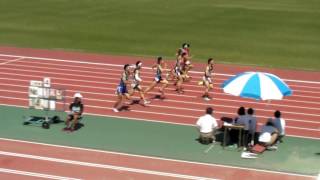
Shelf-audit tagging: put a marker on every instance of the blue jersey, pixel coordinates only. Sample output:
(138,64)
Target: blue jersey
(158,77)
(122,88)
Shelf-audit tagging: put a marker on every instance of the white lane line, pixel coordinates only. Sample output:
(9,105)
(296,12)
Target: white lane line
(105,88)
(156,158)
(11,61)
(104,166)
(178,108)
(118,65)
(182,108)
(141,119)
(178,101)
(107,83)
(93,70)
(104,76)
(33,174)
(173,115)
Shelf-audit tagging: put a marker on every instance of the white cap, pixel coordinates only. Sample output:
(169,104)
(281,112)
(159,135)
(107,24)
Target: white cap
(77,95)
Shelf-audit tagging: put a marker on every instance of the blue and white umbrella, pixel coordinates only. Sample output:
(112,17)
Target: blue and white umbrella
(257,85)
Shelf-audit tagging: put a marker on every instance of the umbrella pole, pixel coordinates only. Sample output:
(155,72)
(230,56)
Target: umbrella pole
(269,102)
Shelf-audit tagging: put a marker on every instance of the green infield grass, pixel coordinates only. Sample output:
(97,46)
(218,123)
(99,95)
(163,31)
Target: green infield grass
(273,33)
(295,155)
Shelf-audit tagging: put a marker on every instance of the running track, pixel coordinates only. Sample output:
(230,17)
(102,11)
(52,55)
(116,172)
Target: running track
(97,82)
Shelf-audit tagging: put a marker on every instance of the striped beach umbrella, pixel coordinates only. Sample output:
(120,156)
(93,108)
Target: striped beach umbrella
(257,85)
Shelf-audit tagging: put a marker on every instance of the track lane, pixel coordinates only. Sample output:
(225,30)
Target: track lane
(137,162)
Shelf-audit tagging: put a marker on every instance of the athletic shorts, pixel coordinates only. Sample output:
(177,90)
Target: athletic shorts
(207,79)
(177,71)
(158,79)
(122,89)
(136,86)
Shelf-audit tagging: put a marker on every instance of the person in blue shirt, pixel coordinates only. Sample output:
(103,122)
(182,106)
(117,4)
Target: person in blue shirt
(122,89)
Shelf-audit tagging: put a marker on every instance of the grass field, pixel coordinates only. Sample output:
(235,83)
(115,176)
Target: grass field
(275,33)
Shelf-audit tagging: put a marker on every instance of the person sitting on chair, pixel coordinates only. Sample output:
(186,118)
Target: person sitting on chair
(76,110)
(240,119)
(207,126)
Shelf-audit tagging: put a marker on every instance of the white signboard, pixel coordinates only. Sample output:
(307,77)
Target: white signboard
(40,94)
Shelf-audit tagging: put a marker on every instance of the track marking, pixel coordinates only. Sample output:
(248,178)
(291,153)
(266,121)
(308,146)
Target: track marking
(27,173)
(117,65)
(118,70)
(151,77)
(146,120)
(104,166)
(178,115)
(188,109)
(112,74)
(107,83)
(103,88)
(175,115)
(11,61)
(158,158)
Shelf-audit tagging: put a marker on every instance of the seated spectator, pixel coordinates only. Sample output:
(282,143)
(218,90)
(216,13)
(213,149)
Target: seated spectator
(76,110)
(252,125)
(241,119)
(280,124)
(268,134)
(207,125)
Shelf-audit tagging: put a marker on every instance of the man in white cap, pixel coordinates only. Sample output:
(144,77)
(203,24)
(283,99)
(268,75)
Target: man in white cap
(76,110)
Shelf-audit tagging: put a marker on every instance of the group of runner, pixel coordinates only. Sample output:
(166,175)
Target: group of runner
(130,81)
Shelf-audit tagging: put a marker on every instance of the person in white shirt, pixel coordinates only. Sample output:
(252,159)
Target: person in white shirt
(268,134)
(207,125)
(280,124)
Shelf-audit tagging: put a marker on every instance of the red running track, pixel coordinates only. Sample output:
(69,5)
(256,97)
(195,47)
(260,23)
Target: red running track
(100,76)
(92,164)
(97,83)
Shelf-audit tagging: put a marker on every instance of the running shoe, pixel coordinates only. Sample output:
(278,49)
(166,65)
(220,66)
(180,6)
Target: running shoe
(207,98)
(272,148)
(145,102)
(115,110)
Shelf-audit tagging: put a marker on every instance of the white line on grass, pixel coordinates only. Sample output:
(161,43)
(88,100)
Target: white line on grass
(210,147)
